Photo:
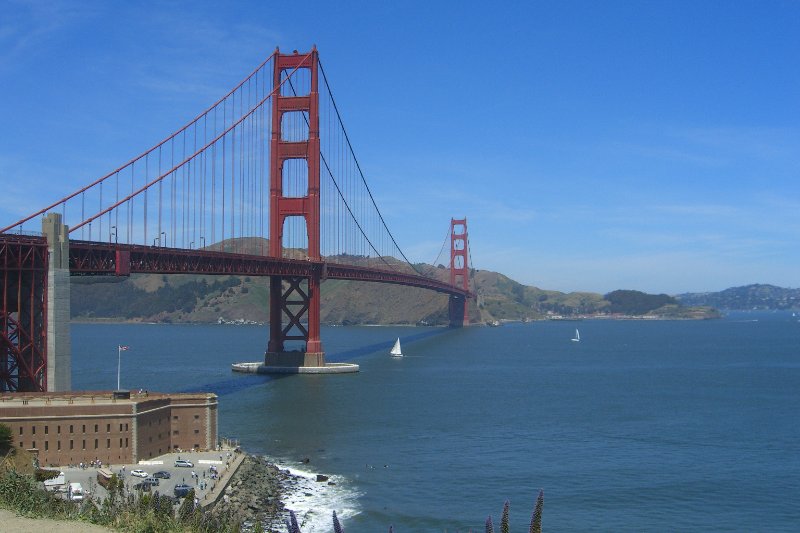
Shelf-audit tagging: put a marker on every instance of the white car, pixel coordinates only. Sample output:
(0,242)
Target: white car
(139,473)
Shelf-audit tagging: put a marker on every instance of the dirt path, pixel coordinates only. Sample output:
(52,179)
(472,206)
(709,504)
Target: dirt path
(18,524)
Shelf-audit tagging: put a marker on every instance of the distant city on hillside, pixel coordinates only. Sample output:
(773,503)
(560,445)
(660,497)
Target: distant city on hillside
(748,297)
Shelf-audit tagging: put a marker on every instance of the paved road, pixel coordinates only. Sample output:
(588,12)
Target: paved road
(206,487)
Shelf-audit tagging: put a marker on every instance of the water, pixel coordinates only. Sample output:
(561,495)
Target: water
(642,426)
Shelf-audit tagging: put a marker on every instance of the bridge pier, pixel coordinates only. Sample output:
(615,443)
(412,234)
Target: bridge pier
(59,354)
(457,309)
(290,303)
(294,316)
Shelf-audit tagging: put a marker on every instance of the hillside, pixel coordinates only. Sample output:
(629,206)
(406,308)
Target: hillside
(207,299)
(755,296)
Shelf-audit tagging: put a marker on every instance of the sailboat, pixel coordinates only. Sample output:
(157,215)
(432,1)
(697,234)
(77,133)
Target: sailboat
(395,352)
(577,337)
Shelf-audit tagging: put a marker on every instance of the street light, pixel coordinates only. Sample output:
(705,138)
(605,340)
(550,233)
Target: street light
(163,242)
(112,233)
(203,241)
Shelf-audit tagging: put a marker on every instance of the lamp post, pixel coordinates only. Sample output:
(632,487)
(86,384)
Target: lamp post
(203,241)
(164,241)
(112,233)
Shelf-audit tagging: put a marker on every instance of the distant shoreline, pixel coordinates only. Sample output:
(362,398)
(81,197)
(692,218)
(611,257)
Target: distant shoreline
(84,320)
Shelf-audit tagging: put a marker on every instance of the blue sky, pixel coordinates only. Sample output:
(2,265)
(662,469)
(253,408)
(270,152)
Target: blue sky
(592,145)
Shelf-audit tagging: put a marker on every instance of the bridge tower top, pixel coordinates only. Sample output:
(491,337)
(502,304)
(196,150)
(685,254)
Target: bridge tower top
(459,265)
(282,150)
(459,270)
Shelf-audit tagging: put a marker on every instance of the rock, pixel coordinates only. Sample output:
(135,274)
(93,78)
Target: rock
(254,492)
(320,477)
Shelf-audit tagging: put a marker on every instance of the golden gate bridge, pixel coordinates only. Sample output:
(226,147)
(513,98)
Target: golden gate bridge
(265,182)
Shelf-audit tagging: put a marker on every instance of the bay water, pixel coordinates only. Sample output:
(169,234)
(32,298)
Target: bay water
(641,426)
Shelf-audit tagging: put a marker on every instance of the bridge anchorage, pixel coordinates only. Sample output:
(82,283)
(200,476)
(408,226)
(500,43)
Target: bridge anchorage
(249,187)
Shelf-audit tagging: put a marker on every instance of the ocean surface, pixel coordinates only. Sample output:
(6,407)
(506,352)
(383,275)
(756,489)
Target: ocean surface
(642,426)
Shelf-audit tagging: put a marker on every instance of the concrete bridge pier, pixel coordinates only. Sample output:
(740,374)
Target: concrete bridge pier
(59,355)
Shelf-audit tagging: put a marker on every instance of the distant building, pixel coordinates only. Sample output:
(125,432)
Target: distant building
(72,427)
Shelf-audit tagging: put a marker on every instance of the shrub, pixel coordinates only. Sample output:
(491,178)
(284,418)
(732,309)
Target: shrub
(44,475)
(6,439)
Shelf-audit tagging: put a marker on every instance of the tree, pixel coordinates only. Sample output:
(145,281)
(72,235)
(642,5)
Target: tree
(6,440)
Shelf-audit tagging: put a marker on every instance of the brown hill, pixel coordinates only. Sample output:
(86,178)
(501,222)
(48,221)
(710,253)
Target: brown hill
(195,298)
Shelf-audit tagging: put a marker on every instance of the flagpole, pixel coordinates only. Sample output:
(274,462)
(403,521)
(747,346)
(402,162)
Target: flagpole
(119,358)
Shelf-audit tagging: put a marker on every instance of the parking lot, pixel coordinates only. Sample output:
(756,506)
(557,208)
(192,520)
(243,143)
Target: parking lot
(212,470)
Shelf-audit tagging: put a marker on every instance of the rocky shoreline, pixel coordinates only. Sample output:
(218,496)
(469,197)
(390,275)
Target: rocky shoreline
(258,491)
(254,493)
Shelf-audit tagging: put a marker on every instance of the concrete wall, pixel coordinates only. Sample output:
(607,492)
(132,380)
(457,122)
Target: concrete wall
(194,423)
(66,433)
(153,428)
(59,355)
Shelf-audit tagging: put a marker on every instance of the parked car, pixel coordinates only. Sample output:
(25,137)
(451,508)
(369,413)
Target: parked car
(139,473)
(152,480)
(162,474)
(75,492)
(181,490)
(184,462)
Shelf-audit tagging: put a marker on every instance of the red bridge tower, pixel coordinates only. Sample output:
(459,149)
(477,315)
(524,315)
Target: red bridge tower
(294,298)
(459,271)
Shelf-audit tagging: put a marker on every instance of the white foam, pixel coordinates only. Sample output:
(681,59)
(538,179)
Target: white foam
(313,502)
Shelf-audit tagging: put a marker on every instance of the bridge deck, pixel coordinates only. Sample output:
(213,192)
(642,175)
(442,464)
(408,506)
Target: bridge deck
(88,258)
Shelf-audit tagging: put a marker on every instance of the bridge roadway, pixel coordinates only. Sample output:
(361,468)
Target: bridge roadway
(89,258)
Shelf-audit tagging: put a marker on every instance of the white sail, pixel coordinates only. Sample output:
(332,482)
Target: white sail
(396,349)
(577,337)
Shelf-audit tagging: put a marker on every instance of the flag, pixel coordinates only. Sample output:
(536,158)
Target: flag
(123,348)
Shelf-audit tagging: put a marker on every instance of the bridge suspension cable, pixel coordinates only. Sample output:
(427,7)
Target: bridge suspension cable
(441,250)
(380,221)
(207,185)
(98,183)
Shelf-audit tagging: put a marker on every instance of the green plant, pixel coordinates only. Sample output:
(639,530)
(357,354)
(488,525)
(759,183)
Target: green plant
(6,438)
(22,494)
(504,519)
(536,519)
